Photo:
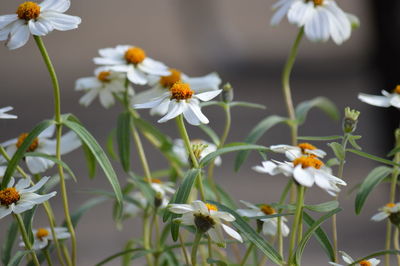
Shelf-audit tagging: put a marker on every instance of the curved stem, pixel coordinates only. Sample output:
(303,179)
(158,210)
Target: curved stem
(25,238)
(196,242)
(184,251)
(47,256)
(296,221)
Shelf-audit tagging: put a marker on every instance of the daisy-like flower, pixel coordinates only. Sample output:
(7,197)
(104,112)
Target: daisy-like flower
(181,99)
(391,211)
(164,83)
(349,260)
(270,226)
(293,152)
(104,84)
(36,19)
(162,188)
(21,197)
(306,170)
(42,144)
(3,112)
(201,149)
(133,61)
(207,219)
(388,99)
(43,236)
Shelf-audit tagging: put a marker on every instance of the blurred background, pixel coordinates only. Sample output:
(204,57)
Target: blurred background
(233,38)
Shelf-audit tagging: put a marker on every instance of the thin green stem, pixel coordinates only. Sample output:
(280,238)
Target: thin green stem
(296,221)
(210,253)
(47,256)
(196,242)
(396,243)
(247,254)
(146,235)
(184,251)
(279,228)
(25,238)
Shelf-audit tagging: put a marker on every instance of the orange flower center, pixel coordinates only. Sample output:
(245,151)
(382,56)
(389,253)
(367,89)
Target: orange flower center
(135,55)
(306,146)
(41,232)
(9,196)
(169,81)
(308,161)
(211,207)
(181,91)
(397,89)
(156,181)
(28,10)
(390,205)
(104,76)
(33,145)
(268,210)
(365,263)
(318,2)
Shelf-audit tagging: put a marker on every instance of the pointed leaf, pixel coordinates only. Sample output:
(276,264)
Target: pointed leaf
(373,157)
(211,133)
(376,254)
(124,139)
(323,207)
(110,144)
(77,214)
(9,241)
(321,138)
(247,104)
(16,260)
(322,103)
(337,148)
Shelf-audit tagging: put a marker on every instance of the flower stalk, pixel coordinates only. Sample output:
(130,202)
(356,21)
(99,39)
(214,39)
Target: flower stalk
(297,220)
(196,243)
(25,238)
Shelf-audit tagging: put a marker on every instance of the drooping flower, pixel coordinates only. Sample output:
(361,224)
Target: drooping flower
(391,211)
(181,99)
(349,260)
(104,84)
(201,149)
(207,219)
(306,170)
(293,152)
(3,112)
(43,236)
(164,83)
(36,19)
(42,144)
(132,61)
(387,100)
(21,197)
(270,225)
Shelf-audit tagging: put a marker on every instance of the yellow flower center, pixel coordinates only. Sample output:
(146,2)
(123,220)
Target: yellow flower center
(318,2)
(28,10)
(390,205)
(169,81)
(41,232)
(135,55)
(33,145)
(306,146)
(397,89)
(211,207)
(9,196)
(365,263)
(156,181)
(181,91)
(268,210)
(104,76)
(308,161)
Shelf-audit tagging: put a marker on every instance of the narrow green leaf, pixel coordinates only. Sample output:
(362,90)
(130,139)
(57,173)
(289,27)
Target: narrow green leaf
(373,157)
(352,140)
(126,258)
(9,241)
(255,134)
(124,139)
(322,103)
(321,138)
(20,153)
(337,148)
(374,178)
(110,144)
(211,133)
(152,133)
(376,254)
(122,253)
(332,162)
(393,152)
(77,214)
(269,216)
(247,104)
(143,186)
(216,262)
(27,218)
(90,160)
(17,258)
(323,207)
(99,154)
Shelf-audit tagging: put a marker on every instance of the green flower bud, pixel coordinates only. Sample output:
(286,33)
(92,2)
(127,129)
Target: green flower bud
(350,120)
(227,93)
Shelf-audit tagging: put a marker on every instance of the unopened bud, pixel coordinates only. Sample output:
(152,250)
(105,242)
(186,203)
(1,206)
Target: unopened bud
(350,120)
(203,222)
(158,200)
(227,93)
(395,218)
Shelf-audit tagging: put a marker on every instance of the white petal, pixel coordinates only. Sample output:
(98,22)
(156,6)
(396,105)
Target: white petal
(381,101)
(106,98)
(346,257)
(395,101)
(318,26)
(36,27)
(7,19)
(216,235)
(38,165)
(55,5)
(300,12)
(153,103)
(148,95)
(270,227)
(248,213)
(340,27)
(180,208)
(194,110)
(374,261)
(19,36)
(154,67)
(208,95)
(303,176)
(223,215)
(48,132)
(204,83)
(88,97)
(188,219)
(136,76)
(232,233)
(161,109)
(60,21)
(87,83)
(22,183)
(175,109)
(38,185)
(380,216)
(4,211)
(200,206)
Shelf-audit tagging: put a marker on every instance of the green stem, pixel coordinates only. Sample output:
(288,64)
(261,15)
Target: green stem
(25,238)
(247,254)
(210,253)
(47,256)
(146,235)
(196,242)
(279,228)
(184,251)
(57,114)
(296,221)
(396,243)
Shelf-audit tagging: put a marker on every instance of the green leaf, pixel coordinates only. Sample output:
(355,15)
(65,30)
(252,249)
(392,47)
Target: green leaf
(301,246)
(99,154)
(270,216)
(17,258)
(256,133)
(374,178)
(154,135)
(9,241)
(27,218)
(126,258)
(90,160)
(122,253)
(143,186)
(332,162)
(249,233)
(124,139)
(216,262)
(247,104)
(20,153)
(321,138)
(321,237)
(352,140)
(211,133)
(372,157)
(226,199)
(232,147)
(77,214)
(376,254)
(393,152)
(110,144)
(323,207)
(322,103)
(338,150)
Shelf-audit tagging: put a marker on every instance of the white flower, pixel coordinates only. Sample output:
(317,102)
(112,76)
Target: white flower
(270,225)
(282,8)
(349,260)
(207,219)
(164,83)
(181,99)
(306,170)
(132,61)
(42,144)
(20,198)
(201,149)
(386,211)
(36,19)
(3,114)
(42,236)
(162,188)
(293,152)
(387,100)
(104,84)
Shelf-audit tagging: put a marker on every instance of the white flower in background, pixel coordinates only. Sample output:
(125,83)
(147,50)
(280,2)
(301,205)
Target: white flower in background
(161,187)
(201,149)
(21,197)
(293,152)
(42,236)
(181,99)
(3,112)
(386,212)
(306,170)
(270,225)
(164,83)
(349,260)
(207,219)
(387,100)
(281,9)
(42,144)
(104,84)
(133,61)
(36,19)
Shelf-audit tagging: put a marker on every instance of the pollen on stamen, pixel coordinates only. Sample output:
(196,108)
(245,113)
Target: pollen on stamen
(318,2)
(397,89)
(306,146)
(308,161)
(42,232)
(365,263)
(267,210)
(32,147)
(169,81)
(104,76)
(9,196)
(390,205)
(181,91)
(211,207)
(156,181)
(28,10)
(135,55)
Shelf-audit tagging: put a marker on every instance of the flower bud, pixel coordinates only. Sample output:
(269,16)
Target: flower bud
(227,93)
(395,218)
(203,222)
(158,199)
(350,120)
